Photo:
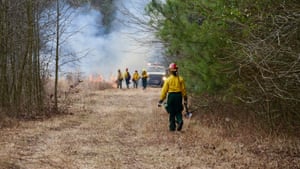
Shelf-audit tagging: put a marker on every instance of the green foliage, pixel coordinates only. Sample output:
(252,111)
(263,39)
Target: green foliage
(242,49)
(196,36)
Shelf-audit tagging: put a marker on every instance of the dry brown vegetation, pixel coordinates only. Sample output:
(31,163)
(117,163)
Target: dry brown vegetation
(115,128)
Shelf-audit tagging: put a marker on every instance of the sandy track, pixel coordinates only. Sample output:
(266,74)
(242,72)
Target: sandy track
(114,129)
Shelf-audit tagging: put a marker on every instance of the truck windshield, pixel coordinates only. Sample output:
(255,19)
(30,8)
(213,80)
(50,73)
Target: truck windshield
(156,69)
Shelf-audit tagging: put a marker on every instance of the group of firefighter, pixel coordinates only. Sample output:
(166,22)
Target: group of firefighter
(173,91)
(135,78)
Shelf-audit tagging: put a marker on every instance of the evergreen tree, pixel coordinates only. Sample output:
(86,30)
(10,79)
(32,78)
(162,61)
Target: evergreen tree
(243,49)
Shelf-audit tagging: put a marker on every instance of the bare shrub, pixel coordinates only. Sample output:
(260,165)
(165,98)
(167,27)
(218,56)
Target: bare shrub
(269,67)
(102,85)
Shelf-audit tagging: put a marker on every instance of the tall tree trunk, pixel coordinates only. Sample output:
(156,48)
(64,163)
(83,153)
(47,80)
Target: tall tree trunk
(29,71)
(37,69)
(4,40)
(56,56)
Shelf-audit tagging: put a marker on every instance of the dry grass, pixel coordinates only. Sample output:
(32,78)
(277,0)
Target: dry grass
(115,128)
(239,125)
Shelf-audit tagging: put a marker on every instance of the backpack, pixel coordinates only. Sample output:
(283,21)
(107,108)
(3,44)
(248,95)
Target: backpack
(129,76)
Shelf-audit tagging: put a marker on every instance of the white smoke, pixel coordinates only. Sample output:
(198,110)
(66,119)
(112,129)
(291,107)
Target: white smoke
(117,49)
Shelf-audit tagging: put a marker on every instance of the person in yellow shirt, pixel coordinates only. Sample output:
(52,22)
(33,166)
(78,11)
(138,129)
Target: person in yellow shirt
(175,91)
(135,78)
(144,78)
(119,79)
(127,77)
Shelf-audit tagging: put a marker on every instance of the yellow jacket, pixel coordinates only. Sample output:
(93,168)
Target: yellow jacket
(135,76)
(144,74)
(126,75)
(173,84)
(120,77)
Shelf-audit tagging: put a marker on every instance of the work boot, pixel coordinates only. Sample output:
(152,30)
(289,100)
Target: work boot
(172,127)
(180,126)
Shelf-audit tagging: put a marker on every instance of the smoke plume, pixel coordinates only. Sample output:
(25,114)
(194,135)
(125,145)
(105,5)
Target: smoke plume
(124,45)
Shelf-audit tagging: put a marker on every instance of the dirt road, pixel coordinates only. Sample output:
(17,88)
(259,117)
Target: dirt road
(122,129)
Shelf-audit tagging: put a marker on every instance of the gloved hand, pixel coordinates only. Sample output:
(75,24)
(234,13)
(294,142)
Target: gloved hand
(159,104)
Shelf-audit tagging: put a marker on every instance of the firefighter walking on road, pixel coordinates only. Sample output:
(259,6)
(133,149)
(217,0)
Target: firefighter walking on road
(119,79)
(144,78)
(174,90)
(135,79)
(127,77)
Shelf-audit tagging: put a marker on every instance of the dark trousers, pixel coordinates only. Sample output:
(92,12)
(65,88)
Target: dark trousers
(135,83)
(127,82)
(119,84)
(174,108)
(144,83)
